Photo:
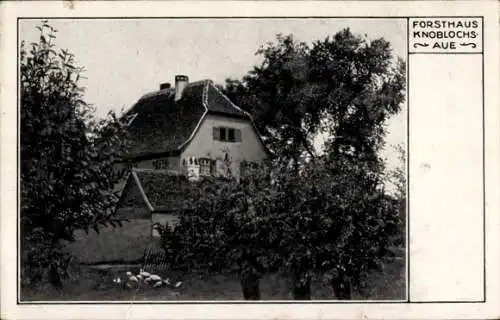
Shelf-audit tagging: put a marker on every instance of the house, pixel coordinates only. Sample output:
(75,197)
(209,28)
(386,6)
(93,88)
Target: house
(182,134)
(192,128)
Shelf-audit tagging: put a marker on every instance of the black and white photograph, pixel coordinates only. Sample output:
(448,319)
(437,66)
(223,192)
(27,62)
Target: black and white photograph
(249,160)
(213,159)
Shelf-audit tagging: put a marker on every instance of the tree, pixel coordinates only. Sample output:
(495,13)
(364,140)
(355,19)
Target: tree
(345,87)
(278,94)
(67,155)
(227,229)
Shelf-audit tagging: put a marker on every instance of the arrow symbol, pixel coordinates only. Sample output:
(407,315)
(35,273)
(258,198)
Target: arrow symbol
(468,44)
(417,44)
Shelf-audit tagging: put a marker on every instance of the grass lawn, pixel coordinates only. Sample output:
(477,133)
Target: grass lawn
(112,244)
(89,284)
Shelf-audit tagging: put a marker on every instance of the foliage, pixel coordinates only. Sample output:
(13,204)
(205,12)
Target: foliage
(397,177)
(331,219)
(67,176)
(344,87)
(227,227)
(274,93)
(363,219)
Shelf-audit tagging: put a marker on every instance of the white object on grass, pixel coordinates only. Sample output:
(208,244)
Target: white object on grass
(145,274)
(178,284)
(129,273)
(158,284)
(155,277)
(133,279)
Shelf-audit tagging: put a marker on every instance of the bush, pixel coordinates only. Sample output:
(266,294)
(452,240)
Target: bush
(226,229)
(330,220)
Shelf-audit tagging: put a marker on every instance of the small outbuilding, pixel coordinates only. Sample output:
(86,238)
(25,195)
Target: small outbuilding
(148,197)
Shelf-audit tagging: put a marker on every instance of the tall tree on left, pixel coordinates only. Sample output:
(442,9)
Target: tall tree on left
(67,155)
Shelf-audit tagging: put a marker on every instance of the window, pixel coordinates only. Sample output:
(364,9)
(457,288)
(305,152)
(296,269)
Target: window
(227,134)
(131,165)
(205,167)
(230,135)
(160,164)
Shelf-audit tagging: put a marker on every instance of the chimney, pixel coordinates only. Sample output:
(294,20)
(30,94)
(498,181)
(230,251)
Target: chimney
(181,82)
(165,85)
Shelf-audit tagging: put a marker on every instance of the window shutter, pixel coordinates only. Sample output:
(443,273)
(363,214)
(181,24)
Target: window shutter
(216,133)
(237,135)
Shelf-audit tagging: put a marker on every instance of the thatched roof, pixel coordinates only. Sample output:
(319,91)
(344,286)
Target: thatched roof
(162,125)
(158,190)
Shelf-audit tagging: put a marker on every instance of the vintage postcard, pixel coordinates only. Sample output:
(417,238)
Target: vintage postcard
(247,160)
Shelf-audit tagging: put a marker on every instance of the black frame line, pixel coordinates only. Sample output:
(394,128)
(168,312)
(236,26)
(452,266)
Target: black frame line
(484,159)
(483,151)
(239,17)
(355,302)
(447,53)
(408,160)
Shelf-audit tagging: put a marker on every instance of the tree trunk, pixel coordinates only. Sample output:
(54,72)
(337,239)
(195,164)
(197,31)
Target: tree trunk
(301,289)
(55,276)
(341,288)
(250,286)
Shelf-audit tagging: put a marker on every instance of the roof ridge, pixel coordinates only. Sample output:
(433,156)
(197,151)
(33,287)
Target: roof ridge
(197,82)
(204,95)
(172,90)
(204,103)
(156,92)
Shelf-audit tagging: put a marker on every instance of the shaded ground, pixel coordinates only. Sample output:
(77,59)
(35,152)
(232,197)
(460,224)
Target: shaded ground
(112,244)
(89,284)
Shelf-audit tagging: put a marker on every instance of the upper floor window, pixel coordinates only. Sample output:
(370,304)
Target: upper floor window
(230,134)
(227,134)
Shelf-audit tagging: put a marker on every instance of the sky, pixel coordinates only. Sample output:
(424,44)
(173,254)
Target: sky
(125,59)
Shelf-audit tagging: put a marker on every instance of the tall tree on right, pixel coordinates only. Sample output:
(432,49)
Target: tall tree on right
(345,88)
(362,88)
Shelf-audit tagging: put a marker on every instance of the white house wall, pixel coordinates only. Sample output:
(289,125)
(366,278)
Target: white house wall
(204,146)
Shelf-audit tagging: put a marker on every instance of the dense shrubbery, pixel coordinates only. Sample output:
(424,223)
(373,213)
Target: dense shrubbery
(331,219)
(228,228)
(67,176)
